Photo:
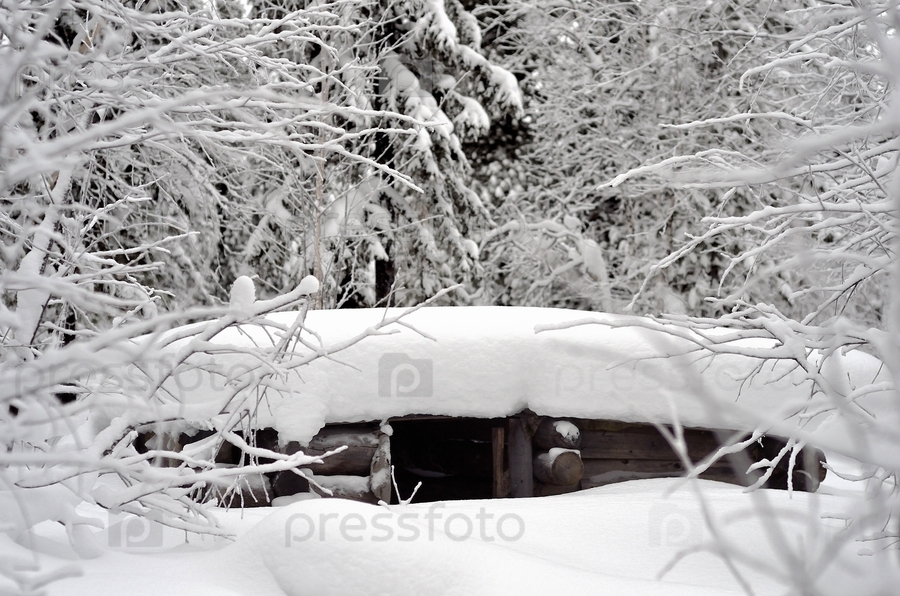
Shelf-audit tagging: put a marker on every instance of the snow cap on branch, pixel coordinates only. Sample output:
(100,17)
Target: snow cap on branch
(243,295)
(308,285)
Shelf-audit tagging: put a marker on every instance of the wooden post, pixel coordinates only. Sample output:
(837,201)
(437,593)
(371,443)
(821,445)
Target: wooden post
(501,476)
(521,476)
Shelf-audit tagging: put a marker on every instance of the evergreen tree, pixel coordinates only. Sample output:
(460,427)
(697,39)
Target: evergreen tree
(414,239)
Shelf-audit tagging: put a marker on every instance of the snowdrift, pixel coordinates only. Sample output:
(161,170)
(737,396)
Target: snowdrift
(487,362)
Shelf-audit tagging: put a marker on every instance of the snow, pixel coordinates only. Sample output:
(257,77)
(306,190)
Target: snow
(555,452)
(486,361)
(616,539)
(491,362)
(243,295)
(473,115)
(308,285)
(566,429)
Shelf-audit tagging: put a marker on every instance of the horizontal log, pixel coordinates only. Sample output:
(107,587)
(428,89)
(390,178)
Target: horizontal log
(354,460)
(356,488)
(593,467)
(548,490)
(552,433)
(332,437)
(586,424)
(616,477)
(600,472)
(644,442)
(561,467)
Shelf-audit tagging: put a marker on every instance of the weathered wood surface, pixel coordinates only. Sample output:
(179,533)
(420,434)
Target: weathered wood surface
(561,467)
(521,475)
(813,461)
(615,477)
(552,433)
(548,490)
(644,442)
(808,472)
(500,473)
(354,460)
(333,436)
(357,488)
(595,467)
(600,472)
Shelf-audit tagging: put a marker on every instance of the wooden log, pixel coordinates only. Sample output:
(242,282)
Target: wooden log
(552,433)
(614,478)
(600,472)
(380,470)
(808,471)
(560,467)
(356,488)
(596,467)
(333,436)
(500,474)
(644,442)
(521,475)
(814,470)
(354,460)
(549,490)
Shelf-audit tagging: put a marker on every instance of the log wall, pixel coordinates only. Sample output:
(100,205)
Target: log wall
(522,456)
(615,451)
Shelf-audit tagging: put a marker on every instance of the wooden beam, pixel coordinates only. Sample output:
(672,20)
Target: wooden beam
(332,437)
(548,490)
(644,443)
(600,472)
(355,488)
(500,475)
(355,460)
(521,475)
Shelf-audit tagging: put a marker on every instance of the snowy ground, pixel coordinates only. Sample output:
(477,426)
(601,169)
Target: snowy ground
(617,539)
(627,538)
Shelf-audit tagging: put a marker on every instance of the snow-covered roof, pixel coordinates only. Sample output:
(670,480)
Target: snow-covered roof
(491,362)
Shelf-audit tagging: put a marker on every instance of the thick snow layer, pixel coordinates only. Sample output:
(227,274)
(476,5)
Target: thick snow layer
(491,362)
(617,539)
